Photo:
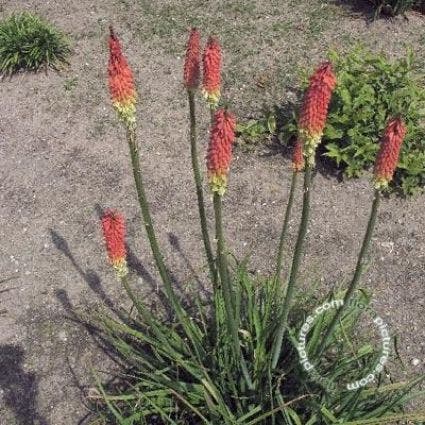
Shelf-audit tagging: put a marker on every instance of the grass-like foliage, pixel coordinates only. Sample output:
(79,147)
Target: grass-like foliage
(237,356)
(188,373)
(371,89)
(28,42)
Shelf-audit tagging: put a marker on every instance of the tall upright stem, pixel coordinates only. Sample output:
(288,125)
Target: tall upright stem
(147,221)
(285,225)
(223,267)
(198,185)
(212,113)
(298,251)
(141,309)
(228,294)
(357,273)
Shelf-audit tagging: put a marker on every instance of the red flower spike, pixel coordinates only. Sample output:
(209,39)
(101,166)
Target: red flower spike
(389,151)
(298,156)
(121,82)
(219,153)
(113,227)
(314,109)
(212,71)
(192,61)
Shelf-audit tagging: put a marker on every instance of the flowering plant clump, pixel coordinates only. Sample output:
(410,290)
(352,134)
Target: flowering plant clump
(232,359)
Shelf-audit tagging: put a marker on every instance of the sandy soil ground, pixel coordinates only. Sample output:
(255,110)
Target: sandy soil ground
(63,159)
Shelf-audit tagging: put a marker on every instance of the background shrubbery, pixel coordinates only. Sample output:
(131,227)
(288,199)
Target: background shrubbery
(395,7)
(370,89)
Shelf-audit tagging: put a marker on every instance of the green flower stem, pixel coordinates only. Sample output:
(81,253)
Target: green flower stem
(228,294)
(145,313)
(298,251)
(212,113)
(168,341)
(221,256)
(285,225)
(198,185)
(190,327)
(357,273)
(144,206)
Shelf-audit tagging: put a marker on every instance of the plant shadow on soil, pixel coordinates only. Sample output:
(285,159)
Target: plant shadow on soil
(74,316)
(19,388)
(94,282)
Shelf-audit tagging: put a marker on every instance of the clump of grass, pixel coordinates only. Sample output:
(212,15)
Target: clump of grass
(28,42)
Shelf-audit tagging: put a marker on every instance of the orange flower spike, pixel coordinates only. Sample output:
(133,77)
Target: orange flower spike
(192,61)
(298,156)
(212,72)
(389,151)
(219,153)
(121,82)
(314,109)
(113,227)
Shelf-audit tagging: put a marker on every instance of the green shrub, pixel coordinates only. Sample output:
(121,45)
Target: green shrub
(253,132)
(28,42)
(371,89)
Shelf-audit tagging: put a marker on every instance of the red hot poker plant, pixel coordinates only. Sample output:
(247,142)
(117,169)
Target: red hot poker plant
(190,345)
(192,61)
(218,163)
(123,94)
(113,227)
(220,150)
(298,164)
(121,82)
(314,109)
(212,72)
(387,158)
(191,79)
(311,123)
(386,162)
